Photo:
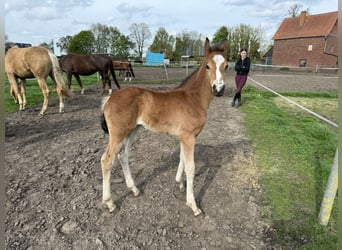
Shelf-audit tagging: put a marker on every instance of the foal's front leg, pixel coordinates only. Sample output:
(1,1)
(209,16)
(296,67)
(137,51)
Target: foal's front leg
(188,153)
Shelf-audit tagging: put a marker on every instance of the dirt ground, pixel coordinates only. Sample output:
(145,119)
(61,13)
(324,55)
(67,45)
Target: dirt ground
(54,182)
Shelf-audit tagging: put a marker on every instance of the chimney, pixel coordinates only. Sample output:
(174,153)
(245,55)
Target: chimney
(302,18)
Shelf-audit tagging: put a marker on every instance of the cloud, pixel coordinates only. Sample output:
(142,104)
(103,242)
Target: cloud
(44,9)
(129,10)
(42,13)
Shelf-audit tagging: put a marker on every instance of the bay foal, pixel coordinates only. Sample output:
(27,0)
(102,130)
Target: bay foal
(181,112)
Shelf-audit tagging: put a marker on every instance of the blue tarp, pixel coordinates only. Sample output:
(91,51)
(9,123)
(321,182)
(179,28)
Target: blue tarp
(154,59)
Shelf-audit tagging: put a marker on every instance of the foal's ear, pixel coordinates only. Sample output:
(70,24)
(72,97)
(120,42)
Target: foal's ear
(207,46)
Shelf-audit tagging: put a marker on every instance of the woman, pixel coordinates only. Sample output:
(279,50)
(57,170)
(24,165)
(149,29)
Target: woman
(242,69)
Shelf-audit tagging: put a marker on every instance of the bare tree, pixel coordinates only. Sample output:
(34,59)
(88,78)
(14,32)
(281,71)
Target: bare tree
(140,33)
(294,10)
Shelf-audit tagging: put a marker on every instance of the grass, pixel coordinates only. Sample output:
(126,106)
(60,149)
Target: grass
(294,153)
(35,95)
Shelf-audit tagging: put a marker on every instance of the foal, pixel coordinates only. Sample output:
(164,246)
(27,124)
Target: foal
(181,112)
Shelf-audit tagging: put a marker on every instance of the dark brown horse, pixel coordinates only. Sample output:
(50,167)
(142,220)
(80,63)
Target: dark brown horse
(181,112)
(125,68)
(76,65)
(34,62)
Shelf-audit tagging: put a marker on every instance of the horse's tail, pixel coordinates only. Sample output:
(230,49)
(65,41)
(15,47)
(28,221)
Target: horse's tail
(131,69)
(103,118)
(111,68)
(57,75)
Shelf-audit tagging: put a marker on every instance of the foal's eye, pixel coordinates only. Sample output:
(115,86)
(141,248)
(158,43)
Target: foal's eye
(226,67)
(207,66)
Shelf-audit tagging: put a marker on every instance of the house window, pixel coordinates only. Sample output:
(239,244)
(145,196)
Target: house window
(302,62)
(310,47)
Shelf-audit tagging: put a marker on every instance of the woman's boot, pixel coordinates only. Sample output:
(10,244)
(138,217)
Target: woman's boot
(235,97)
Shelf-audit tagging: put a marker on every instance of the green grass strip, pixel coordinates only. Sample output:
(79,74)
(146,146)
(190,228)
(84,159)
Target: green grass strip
(294,153)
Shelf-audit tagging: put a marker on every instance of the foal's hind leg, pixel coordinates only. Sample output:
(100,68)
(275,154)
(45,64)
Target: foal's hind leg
(107,161)
(125,165)
(180,170)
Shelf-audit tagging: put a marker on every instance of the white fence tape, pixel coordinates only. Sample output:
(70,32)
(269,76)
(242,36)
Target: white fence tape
(294,103)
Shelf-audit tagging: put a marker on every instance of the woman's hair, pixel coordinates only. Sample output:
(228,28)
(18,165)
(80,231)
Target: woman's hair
(243,49)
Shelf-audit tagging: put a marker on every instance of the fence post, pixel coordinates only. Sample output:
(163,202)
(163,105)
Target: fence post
(330,193)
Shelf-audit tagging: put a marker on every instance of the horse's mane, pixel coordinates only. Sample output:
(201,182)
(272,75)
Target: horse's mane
(188,77)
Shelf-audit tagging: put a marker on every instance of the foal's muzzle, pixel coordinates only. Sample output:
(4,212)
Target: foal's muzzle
(218,89)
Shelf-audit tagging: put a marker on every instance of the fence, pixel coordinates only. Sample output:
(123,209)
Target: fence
(318,69)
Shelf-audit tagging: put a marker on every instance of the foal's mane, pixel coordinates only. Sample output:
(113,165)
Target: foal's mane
(188,77)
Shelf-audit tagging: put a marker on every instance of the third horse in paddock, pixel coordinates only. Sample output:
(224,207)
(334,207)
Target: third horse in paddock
(181,112)
(125,69)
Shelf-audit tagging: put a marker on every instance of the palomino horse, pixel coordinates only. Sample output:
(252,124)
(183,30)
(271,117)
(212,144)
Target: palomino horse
(181,112)
(30,62)
(74,64)
(125,69)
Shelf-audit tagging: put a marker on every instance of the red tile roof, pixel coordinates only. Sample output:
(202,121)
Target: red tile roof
(313,25)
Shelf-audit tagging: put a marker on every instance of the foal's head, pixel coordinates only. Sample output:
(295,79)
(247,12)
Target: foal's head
(216,64)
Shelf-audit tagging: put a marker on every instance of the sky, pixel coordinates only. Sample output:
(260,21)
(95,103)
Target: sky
(39,21)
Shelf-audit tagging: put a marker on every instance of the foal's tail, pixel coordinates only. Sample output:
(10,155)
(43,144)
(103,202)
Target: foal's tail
(131,69)
(103,118)
(57,75)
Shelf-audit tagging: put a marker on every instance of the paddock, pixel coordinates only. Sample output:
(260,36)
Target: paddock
(54,182)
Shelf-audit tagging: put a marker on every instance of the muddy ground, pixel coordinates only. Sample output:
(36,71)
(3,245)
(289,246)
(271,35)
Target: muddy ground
(54,182)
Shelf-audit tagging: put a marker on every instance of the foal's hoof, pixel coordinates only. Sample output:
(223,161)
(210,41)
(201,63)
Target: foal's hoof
(136,192)
(195,209)
(197,212)
(110,205)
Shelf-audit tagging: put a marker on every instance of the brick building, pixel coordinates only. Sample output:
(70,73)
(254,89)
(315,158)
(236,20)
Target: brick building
(306,41)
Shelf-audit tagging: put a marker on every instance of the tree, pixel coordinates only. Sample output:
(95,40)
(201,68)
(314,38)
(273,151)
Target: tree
(163,43)
(140,34)
(101,35)
(242,36)
(293,10)
(188,43)
(221,35)
(64,43)
(82,43)
(48,46)
(120,45)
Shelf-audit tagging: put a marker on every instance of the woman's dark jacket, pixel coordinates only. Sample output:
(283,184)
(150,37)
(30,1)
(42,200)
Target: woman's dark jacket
(242,66)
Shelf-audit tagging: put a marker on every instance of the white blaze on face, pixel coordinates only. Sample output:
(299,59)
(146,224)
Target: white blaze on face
(218,59)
